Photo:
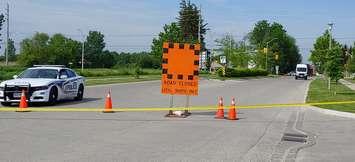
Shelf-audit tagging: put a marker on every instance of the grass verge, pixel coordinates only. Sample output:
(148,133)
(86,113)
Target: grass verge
(120,79)
(318,92)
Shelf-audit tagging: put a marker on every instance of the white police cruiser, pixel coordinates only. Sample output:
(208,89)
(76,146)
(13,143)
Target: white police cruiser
(43,83)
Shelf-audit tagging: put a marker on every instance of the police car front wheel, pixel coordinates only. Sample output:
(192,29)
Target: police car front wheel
(53,95)
(80,94)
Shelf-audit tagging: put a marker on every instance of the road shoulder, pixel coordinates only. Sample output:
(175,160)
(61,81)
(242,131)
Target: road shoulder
(333,112)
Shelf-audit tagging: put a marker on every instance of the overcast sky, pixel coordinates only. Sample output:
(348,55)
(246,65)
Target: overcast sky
(129,25)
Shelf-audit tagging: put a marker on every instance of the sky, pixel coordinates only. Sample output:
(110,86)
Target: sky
(130,25)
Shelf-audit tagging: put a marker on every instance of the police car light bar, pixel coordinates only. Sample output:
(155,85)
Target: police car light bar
(49,66)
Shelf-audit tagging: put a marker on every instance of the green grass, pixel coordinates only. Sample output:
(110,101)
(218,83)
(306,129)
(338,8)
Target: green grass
(120,79)
(318,92)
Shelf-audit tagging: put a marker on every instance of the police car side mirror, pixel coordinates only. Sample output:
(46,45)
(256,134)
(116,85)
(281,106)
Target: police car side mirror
(63,76)
(15,76)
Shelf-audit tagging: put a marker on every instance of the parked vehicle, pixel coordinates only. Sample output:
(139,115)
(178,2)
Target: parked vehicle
(43,83)
(302,71)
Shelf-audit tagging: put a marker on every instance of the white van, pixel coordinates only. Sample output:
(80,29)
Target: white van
(301,71)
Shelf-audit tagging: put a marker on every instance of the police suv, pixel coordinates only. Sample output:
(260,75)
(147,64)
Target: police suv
(43,83)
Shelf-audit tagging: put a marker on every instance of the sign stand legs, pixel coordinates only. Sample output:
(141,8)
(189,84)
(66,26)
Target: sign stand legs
(187,113)
(171,106)
(179,114)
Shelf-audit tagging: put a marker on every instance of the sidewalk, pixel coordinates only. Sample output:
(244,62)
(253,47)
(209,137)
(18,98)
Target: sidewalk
(347,83)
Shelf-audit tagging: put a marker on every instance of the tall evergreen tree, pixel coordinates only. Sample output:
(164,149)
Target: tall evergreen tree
(94,46)
(190,19)
(2,20)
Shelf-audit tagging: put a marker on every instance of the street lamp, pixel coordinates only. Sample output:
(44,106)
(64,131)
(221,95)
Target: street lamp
(330,28)
(82,50)
(267,50)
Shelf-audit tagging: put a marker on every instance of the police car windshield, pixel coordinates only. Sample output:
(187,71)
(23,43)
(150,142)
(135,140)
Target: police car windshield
(40,73)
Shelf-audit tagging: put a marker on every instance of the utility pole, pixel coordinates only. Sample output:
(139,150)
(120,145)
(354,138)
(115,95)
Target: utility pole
(199,24)
(82,50)
(7,35)
(330,28)
(230,50)
(267,51)
(199,36)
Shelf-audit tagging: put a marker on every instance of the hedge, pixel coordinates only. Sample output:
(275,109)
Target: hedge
(243,72)
(117,72)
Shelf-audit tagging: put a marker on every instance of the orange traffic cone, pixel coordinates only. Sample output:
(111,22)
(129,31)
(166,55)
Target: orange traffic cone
(108,103)
(232,115)
(220,111)
(23,107)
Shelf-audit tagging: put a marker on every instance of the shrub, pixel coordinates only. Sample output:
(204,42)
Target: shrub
(242,72)
(6,72)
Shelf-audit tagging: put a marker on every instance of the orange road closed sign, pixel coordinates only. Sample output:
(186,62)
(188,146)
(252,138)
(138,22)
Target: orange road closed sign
(180,69)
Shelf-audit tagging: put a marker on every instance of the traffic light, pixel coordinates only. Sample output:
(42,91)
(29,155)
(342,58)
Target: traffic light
(276,56)
(265,50)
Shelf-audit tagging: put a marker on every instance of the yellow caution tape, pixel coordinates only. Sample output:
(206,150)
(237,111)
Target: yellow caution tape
(49,109)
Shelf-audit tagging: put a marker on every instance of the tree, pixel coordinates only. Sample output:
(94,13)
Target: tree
(11,50)
(2,20)
(289,55)
(94,46)
(352,60)
(141,59)
(234,51)
(63,50)
(34,50)
(320,50)
(42,49)
(107,59)
(334,65)
(259,34)
(170,33)
(58,49)
(279,43)
(190,20)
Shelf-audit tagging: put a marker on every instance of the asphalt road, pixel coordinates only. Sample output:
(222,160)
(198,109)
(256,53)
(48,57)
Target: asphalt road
(147,94)
(148,136)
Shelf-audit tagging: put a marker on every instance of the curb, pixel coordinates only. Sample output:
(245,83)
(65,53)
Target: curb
(347,84)
(333,112)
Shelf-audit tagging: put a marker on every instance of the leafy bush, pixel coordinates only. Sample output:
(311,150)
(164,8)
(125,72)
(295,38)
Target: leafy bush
(242,72)
(6,72)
